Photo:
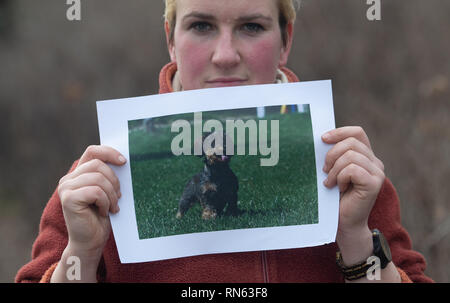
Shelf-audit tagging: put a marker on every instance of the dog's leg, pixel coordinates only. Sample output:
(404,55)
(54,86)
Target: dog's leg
(185,203)
(232,208)
(188,198)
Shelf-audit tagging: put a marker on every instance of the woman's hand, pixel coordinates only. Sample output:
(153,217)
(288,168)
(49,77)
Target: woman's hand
(88,194)
(359,174)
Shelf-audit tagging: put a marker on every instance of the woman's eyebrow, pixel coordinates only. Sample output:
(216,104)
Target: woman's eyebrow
(245,18)
(252,17)
(199,16)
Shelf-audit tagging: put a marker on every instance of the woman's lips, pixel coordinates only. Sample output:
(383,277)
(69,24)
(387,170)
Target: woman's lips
(223,82)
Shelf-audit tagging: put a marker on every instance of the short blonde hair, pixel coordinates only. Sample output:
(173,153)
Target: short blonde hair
(288,13)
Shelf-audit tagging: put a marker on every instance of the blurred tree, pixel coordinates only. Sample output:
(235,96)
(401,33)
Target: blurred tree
(6,18)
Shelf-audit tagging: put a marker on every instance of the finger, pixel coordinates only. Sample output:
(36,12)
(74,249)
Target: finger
(85,197)
(92,166)
(349,144)
(339,134)
(352,174)
(104,153)
(351,157)
(93,179)
(357,177)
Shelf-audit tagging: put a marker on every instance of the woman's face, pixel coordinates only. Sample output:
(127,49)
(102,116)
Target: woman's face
(219,43)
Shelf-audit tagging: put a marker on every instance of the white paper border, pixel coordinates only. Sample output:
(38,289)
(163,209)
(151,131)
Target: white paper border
(113,117)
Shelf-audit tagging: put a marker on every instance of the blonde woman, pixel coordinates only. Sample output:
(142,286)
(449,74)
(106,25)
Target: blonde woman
(216,43)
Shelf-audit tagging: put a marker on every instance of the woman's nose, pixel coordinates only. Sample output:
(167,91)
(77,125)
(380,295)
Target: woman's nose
(226,54)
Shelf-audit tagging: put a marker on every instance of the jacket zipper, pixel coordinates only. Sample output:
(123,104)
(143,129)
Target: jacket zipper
(264,266)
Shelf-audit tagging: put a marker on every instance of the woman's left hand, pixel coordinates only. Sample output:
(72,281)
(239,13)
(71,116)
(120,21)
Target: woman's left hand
(359,174)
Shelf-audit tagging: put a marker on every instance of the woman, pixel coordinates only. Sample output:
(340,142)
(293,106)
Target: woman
(213,43)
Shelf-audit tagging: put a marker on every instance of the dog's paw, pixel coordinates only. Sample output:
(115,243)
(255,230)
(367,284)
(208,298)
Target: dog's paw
(209,214)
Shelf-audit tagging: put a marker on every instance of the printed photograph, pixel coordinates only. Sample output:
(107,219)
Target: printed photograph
(223,170)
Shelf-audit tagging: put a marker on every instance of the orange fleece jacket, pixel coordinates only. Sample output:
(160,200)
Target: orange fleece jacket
(313,264)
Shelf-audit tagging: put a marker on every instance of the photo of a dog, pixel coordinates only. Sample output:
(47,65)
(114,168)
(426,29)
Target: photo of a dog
(208,172)
(215,187)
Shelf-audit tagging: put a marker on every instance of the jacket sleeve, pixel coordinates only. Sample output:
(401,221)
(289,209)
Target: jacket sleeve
(386,217)
(49,244)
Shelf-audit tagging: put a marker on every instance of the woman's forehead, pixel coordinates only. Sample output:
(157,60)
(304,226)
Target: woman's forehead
(234,9)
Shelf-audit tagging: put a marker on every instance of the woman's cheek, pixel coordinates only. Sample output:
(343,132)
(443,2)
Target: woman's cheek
(264,57)
(192,63)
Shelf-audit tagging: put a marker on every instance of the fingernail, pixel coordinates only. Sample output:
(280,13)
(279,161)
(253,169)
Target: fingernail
(122,159)
(325,182)
(326,136)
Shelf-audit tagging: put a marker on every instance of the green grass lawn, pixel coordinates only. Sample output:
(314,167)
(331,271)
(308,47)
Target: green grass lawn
(285,194)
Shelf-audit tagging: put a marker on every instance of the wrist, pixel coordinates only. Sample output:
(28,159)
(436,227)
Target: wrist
(355,246)
(89,252)
(78,265)
(357,263)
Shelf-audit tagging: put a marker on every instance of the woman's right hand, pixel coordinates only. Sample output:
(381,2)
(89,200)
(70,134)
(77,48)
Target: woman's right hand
(87,196)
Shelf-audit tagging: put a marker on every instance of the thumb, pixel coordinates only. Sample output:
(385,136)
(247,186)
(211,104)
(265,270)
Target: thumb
(104,153)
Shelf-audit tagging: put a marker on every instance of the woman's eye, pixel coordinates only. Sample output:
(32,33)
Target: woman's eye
(201,27)
(252,27)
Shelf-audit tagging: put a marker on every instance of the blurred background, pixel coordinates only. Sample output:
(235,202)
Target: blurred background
(391,77)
